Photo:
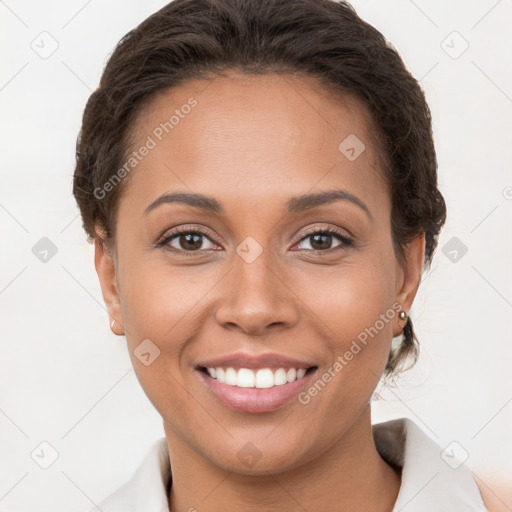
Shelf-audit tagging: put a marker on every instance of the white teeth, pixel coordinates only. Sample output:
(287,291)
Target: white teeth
(280,377)
(245,378)
(291,375)
(262,378)
(230,377)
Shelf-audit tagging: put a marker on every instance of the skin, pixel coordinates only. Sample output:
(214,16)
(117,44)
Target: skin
(252,143)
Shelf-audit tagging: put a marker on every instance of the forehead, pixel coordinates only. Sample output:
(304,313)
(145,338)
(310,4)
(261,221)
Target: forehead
(258,134)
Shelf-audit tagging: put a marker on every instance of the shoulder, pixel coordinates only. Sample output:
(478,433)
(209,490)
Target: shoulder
(449,483)
(147,488)
(497,499)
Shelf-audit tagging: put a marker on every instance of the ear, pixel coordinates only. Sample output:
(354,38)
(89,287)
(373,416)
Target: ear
(410,276)
(106,270)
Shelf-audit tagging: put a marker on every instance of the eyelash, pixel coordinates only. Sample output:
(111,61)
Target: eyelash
(346,241)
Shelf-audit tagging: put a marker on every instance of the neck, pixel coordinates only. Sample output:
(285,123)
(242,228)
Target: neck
(349,475)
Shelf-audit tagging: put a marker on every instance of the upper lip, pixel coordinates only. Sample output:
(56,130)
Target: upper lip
(244,360)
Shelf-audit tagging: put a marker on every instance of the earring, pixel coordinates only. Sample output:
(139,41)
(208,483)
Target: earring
(402,315)
(112,324)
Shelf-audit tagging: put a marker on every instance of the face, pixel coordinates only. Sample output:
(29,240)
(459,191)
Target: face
(248,238)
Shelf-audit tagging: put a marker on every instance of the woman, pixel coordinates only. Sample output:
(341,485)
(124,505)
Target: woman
(259,180)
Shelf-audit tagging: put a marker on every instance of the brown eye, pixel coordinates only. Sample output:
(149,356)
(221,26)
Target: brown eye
(190,241)
(187,241)
(322,240)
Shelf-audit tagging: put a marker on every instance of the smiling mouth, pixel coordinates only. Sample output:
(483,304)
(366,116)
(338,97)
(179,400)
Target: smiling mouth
(262,378)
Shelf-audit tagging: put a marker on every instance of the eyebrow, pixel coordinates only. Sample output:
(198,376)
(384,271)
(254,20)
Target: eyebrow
(308,201)
(294,204)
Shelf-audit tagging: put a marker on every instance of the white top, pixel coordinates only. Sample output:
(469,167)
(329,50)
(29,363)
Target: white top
(429,483)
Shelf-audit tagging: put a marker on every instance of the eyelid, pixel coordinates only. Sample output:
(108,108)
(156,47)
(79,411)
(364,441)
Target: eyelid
(188,228)
(326,229)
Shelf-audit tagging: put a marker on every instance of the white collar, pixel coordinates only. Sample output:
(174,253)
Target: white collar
(428,482)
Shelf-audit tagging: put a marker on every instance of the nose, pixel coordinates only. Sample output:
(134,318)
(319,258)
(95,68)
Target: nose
(257,296)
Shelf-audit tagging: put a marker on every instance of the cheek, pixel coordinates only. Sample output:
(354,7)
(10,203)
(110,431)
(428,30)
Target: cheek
(158,305)
(356,303)
(157,299)
(351,297)
(167,305)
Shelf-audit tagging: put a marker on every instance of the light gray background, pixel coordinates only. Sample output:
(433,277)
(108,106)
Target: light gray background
(65,379)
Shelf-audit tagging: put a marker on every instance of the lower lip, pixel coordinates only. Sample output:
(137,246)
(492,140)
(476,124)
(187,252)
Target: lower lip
(255,399)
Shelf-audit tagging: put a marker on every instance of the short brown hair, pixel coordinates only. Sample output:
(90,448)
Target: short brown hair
(325,39)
